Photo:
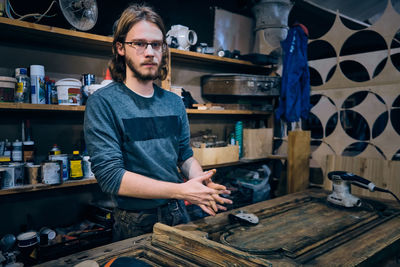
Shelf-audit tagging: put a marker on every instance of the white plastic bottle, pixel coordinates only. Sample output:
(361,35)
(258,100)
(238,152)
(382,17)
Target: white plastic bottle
(38,91)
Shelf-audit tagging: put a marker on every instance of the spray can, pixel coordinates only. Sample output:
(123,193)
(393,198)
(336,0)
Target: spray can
(55,150)
(38,90)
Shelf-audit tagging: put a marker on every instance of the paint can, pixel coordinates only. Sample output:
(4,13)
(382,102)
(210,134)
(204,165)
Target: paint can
(7,88)
(33,174)
(12,175)
(65,165)
(69,92)
(28,244)
(46,234)
(51,172)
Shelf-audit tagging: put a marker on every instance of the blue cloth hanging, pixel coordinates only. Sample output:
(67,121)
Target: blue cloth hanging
(294,101)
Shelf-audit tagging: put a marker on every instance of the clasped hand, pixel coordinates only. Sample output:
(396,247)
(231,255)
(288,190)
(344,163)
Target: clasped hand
(206,194)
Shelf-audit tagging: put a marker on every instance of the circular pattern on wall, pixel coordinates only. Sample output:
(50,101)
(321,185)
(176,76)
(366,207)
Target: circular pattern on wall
(359,51)
(395,50)
(395,115)
(361,14)
(322,56)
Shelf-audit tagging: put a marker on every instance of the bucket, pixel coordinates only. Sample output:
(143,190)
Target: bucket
(69,92)
(7,88)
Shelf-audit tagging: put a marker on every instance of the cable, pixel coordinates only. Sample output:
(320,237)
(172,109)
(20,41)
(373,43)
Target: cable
(12,9)
(386,191)
(37,16)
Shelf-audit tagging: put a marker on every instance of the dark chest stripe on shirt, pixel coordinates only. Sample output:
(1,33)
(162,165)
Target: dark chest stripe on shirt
(142,129)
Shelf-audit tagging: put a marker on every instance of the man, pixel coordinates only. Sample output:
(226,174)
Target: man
(137,133)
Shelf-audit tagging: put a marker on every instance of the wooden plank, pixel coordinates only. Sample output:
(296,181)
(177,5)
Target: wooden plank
(50,29)
(182,54)
(45,107)
(201,250)
(383,173)
(257,143)
(27,106)
(41,187)
(368,249)
(229,112)
(298,160)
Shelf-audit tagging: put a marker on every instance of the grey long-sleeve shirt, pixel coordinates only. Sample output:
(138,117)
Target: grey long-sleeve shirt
(128,132)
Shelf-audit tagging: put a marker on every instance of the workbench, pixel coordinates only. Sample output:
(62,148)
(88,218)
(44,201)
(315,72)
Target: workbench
(296,229)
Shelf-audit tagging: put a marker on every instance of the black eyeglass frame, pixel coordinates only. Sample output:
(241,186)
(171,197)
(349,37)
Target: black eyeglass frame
(162,49)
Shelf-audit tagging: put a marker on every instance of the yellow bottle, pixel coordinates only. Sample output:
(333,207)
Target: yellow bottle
(76,166)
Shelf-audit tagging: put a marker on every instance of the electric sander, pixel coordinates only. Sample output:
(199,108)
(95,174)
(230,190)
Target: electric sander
(341,193)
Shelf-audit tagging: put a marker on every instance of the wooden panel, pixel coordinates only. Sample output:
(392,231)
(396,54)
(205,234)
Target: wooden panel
(304,228)
(298,160)
(383,173)
(315,222)
(41,187)
(216,155)
(201,250)
(257,143)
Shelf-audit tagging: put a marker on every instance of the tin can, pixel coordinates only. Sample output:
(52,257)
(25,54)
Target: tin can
(12,175)
(52,172)
(88,79)
(65,166)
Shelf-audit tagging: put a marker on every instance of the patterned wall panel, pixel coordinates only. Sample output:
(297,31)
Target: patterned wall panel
(356,96)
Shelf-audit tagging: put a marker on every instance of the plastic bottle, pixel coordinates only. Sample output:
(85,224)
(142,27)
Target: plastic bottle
(22,90)
(86,167)
(38,90)
(76,166)
(7,149)
(47,86)
(17,151)
(55,150)
(54,99)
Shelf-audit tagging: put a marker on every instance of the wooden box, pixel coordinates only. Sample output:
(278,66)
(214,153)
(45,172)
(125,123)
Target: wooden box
(257,143)
(216,155)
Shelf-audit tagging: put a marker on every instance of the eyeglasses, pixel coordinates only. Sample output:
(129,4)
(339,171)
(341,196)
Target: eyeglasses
(141,46)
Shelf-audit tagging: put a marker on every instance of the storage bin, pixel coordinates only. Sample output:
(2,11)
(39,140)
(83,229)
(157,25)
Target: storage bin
(216,155)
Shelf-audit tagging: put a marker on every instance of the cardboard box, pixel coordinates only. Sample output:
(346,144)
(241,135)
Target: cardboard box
(257,143)
(216,155)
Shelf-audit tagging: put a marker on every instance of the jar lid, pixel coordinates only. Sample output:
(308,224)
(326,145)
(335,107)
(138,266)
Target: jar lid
(76,152)
(29,143)
(17,143)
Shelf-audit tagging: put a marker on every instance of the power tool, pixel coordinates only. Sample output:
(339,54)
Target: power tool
(341,182)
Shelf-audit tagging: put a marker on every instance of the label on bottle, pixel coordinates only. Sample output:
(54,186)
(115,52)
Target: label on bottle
(76,169)
(20,87)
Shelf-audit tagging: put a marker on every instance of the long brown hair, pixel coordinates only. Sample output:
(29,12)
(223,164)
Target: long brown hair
(132,15)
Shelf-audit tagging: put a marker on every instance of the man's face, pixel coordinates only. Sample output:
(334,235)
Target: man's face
(143,63)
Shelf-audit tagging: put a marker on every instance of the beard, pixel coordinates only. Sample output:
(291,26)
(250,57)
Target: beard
(140,76)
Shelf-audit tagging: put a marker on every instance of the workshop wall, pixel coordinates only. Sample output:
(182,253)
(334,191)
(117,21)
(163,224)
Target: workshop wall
(355,96)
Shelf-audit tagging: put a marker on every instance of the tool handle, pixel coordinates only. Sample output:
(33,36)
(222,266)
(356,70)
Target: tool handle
(351,177)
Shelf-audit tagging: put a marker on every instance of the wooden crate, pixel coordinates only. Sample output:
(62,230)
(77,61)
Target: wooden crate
(257,143)
(216,155)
